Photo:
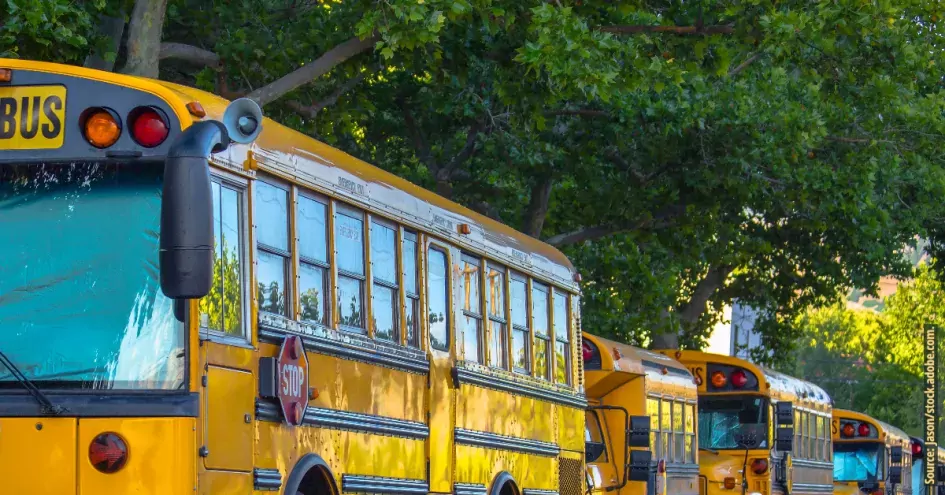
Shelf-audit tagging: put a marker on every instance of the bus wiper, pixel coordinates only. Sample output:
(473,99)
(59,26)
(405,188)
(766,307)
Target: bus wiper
(46,405)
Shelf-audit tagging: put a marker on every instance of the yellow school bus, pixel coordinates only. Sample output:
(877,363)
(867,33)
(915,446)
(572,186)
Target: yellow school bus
(920,454)
(199,300)
(870,456)
(760,431)
(659,395)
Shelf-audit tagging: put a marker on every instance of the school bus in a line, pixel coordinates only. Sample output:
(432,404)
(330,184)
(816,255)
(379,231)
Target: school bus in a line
(760,431)
(870,456)
(200,300)
(651,389)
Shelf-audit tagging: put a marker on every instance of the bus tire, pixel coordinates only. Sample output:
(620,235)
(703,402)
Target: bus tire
(311,476)
(504,484)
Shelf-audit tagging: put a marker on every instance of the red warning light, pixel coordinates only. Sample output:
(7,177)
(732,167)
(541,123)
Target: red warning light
(108,452)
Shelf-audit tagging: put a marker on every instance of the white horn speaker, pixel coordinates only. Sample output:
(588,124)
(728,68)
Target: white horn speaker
(243,120)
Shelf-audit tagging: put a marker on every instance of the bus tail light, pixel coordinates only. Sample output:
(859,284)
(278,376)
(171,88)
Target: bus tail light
(739,379)
(729,483)
(148,127)
(847,430)
(108,452)
(759,466)
(916,449)
(718,379)
(863,430)
(6,75)
(101,127)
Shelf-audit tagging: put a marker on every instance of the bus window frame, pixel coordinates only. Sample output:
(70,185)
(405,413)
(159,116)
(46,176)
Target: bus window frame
(326,266)
(556,339)
(444,249)
(604,457)
(406,298)
(467,257)
(341,208)
(546,338)
(247,254)
(504,319)
(288,257)
(397,285)
(529,358)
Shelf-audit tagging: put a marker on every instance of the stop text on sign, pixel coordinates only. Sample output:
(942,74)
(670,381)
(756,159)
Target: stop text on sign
(292,378)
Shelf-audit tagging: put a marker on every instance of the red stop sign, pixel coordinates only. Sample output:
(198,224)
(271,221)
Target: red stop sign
(292,380)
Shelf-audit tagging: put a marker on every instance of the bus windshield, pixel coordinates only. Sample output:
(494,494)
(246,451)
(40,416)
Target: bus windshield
(858,462)
(80,302)
(733,422)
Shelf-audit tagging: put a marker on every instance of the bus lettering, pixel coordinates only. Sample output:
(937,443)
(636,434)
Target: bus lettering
(51,106)
(696,373)
(29,117)
(7,118)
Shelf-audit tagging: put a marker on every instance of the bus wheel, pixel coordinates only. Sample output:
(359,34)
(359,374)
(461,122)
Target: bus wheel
(315,482)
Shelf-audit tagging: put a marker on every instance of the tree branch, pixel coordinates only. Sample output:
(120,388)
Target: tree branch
(742,66)
(308,72)
(419,140)
(538,207)
(189,53)
(660,218)
(684,30)
(312,110)
(713,280)
(853,140)
(468,149)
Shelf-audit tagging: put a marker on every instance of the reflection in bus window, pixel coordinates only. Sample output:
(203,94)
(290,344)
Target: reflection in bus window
(679,436)
(311,220)
(858,462)
(540,327)
(272,229)
(733,422)
(520,341)
(595,447)
(385,298)
(562,336)
(495,299)
(471,320)
(666,426)
(222,309)
(437,301)
(349,252)
(412,293)
(653,411)
(690,433)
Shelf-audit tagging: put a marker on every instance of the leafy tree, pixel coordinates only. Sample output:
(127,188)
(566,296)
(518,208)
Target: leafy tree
(684,154)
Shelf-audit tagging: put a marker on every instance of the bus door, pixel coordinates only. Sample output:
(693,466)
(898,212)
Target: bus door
(602,469)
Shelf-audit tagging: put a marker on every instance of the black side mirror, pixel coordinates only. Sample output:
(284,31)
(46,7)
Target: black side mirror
(895,475)
(895,455)
(638,432)
(784,439)
(784,413)
(940,472)
(639,467)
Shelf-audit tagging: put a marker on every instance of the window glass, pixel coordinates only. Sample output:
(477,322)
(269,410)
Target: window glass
(312,293)
(690,433)
(595,448)
(653,411)
(539,309)
(497,345)
(678,433)
(382,310)
(222,309)
(470,338)
(410,262)
(469,285)
(495,287)
(349,243)
(413,324)
(520,351)
(271,277)
(561,316)
(383,253)
(519,303)
(665,427)
(541,358)
(437,300)
(312,229)
(272,220)
(349,305)
(562,370)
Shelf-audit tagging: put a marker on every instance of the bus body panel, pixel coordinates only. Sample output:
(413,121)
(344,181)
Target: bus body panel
(477,464)
(40,455)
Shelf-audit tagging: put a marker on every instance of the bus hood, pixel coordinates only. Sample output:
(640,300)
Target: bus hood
(717,467)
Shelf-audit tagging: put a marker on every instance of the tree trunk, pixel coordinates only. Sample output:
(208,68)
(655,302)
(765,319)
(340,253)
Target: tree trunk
(687,316)
(112,28)
(308,72)
(144,38)
(538,207)
(667,340)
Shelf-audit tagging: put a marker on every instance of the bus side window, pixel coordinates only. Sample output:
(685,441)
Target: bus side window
(222,309)
(312,229)
(595,447)
(411,289)
(437,299)
(653,411)
(521,346)
(273,253)
(690,433)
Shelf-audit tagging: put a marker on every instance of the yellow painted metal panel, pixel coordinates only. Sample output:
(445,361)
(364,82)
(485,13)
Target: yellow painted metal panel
(481,465)
(231,399)
(229,356)
(225,483)
(279,446)
(38,455)
(571,429)
(442,422)
(363,388)
(502,413)
(161,457)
